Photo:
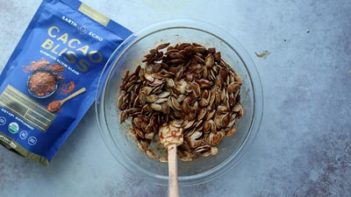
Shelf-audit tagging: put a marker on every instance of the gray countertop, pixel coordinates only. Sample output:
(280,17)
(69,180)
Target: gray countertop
(303,147)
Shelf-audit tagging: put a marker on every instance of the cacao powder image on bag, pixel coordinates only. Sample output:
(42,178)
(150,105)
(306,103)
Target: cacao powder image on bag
(63,51)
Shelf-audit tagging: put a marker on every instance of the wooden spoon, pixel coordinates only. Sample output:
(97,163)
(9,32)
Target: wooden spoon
(171,136)
(173,187)
(55,106)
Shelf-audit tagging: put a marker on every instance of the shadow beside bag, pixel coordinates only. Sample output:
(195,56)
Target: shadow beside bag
(50,80)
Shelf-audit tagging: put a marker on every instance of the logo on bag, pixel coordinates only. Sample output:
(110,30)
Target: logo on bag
(32,140)
(71,49)
(13,127)
(23,135)
(2,120)
(82,29)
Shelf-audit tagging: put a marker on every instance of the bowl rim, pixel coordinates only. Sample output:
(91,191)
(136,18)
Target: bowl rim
(244,57)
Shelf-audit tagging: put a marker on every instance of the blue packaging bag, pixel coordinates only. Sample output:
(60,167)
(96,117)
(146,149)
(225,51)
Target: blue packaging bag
(60,56)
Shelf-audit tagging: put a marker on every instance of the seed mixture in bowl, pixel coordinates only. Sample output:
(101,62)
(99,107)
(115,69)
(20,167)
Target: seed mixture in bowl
(186,82)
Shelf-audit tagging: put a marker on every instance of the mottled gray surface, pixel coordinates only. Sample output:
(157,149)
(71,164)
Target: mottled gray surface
(304,144)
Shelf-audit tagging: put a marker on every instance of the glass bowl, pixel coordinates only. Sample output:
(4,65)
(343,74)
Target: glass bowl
(130,54)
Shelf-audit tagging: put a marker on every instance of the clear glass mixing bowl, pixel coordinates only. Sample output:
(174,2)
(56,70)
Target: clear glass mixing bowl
(130,54)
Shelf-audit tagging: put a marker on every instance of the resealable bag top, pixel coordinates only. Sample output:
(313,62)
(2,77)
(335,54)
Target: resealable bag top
(51,79)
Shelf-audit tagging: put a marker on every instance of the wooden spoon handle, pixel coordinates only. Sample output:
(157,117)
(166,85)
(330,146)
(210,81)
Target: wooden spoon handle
(78,92)
(173,188)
